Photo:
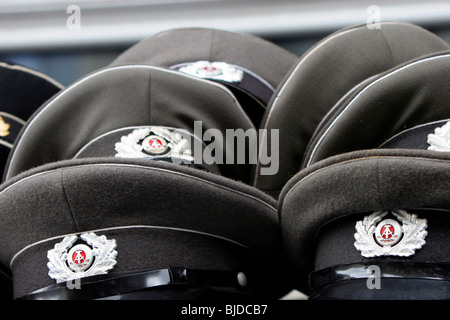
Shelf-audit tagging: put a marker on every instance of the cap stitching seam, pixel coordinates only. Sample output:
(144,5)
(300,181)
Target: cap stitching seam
(380,197)
(211,45)
(282,86)
(67,201)
(149,100)
(388,46)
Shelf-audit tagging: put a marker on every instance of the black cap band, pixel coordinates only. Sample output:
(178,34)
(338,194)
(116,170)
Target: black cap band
(251,84)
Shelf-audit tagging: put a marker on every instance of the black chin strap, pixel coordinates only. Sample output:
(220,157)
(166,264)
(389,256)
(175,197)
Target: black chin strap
(98,287)
(394,270)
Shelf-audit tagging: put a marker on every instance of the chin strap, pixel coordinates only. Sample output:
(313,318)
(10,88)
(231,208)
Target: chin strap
(98,287)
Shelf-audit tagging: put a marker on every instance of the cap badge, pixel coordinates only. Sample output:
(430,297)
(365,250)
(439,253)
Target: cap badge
(153,142)
(94,257)
(214,71)
(4,128)
(155,145)
(440,140)
(389,237)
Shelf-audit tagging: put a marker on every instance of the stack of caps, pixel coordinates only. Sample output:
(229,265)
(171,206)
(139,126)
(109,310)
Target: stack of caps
(22,92)
(111,187)
(366,216)
(150,179)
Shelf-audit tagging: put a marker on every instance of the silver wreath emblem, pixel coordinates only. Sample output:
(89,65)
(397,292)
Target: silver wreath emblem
(440,140)
(214,71)
(404,243)
(171,144)
(81,260)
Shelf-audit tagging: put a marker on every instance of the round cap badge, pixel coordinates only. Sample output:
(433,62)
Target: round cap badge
(154,145)
(79,258)
(388,232)
(209,70)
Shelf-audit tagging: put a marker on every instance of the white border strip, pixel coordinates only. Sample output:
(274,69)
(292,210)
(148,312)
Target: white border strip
(7,115)
(364,91)
(122,228)
(112,164)
(33,72)
(362,158)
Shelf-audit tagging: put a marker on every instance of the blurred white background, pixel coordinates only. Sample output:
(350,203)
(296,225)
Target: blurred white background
(41,34)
